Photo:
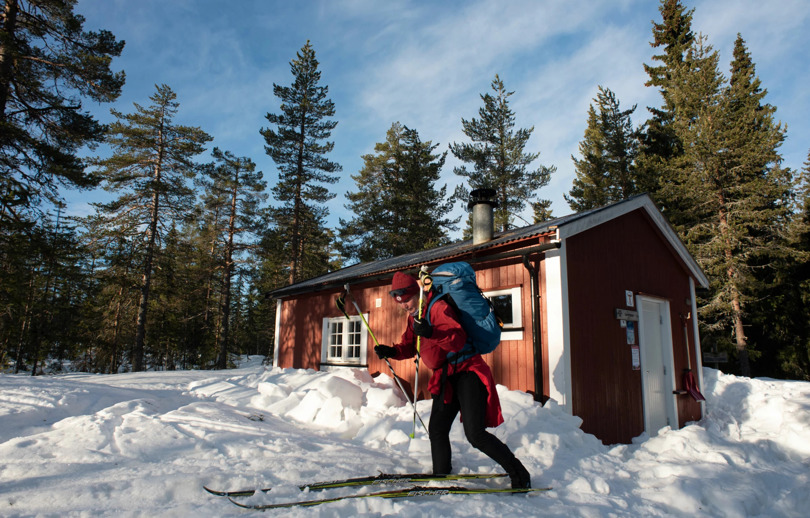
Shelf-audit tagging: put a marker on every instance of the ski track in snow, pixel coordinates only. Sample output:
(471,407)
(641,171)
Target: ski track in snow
(144,444)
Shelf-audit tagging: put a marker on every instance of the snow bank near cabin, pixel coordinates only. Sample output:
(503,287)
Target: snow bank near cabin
(144,444)
(354,405)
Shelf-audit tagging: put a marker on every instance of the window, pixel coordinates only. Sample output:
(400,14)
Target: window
(344,341)
(508,308)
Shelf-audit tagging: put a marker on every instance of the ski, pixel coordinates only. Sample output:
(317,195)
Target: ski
(236,493)
(415,491)
(381,479)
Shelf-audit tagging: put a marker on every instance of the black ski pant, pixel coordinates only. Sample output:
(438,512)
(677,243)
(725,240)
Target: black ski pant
(469,397)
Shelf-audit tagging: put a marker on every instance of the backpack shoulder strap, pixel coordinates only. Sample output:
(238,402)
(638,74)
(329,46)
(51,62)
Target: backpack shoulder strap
(436,297)
(468,351)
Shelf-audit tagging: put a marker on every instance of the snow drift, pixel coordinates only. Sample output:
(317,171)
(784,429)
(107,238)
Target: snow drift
(143,444)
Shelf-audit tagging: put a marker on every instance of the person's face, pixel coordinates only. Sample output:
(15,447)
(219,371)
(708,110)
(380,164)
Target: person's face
(411,305)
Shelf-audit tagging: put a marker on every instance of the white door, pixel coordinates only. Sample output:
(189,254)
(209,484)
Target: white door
(657,379)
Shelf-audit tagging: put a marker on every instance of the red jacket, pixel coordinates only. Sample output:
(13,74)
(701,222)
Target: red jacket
(448,336)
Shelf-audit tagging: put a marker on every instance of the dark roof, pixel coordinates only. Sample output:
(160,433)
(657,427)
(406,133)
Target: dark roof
(386,267)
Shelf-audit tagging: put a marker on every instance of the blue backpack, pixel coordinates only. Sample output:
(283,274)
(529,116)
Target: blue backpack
(455,282)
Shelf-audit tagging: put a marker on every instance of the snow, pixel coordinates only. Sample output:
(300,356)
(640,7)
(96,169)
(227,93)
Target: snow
(144,444)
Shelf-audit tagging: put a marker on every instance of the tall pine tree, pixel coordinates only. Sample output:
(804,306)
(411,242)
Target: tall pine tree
(235,191)
(397,206)
(497,157)
(151,163)
(605,173)
(297,143)
(48,63)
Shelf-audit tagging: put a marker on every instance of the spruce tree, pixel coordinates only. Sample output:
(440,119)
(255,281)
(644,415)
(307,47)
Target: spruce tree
(606,171)
(397,206)
(659,143)
(794,356)
(297,143)
(151,163)
(48,63)
(782,323)
(729,187)
(497,157)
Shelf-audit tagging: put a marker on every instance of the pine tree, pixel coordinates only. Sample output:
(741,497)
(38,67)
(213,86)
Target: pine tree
(49,282)
(151,163)
(542,211)
(497,157)
(606,171)
(112,252)
(235,190)
(397,206)
(296,144)
(47,64)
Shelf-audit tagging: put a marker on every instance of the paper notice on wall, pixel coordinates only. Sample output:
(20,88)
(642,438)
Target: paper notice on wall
(634,352)
(631,333)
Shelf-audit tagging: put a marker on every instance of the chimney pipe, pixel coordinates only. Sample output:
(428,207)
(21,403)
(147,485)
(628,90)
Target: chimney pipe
(482,202)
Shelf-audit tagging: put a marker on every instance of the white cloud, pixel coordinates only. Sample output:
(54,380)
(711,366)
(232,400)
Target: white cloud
(425,64)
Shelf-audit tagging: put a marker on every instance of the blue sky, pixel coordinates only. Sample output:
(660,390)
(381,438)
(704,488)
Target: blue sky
(425,64)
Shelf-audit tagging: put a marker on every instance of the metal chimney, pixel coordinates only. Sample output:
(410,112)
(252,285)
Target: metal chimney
(482,202)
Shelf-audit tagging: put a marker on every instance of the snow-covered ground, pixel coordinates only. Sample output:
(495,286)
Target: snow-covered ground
(143,444)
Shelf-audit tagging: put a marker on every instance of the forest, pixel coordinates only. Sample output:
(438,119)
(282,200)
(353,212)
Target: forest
(172,271)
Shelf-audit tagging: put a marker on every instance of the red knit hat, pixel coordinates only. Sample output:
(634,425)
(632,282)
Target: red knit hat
(403,287)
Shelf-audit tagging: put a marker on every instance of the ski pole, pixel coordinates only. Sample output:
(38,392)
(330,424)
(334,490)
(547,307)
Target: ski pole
(341,304)
(406,396)
(422,276)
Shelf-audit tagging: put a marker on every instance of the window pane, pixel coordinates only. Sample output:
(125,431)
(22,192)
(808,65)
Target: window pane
(354,333)
(503,308)
(336,340)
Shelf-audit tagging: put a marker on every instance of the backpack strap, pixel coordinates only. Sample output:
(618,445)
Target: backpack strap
(436,296)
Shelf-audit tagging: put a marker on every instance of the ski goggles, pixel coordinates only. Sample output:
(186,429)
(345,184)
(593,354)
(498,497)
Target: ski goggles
(404,294)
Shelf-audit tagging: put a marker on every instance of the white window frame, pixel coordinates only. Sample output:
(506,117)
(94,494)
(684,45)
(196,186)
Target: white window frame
(346,326)
(513,330)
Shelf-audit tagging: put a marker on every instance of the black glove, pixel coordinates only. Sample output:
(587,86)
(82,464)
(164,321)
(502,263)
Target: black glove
(385,351)
(422,328)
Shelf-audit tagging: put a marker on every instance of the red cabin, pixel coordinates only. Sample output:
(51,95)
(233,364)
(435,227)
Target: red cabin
(599,311)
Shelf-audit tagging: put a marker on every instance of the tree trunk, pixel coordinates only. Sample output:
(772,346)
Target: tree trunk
(6,60)
(222,362)
(741,343)
(146,281)
(25,327)
(116,328)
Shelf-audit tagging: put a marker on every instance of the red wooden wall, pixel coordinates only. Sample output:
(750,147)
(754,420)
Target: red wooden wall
(627,253)
(299,345)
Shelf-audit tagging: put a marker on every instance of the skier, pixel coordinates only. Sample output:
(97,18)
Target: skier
(467,387)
